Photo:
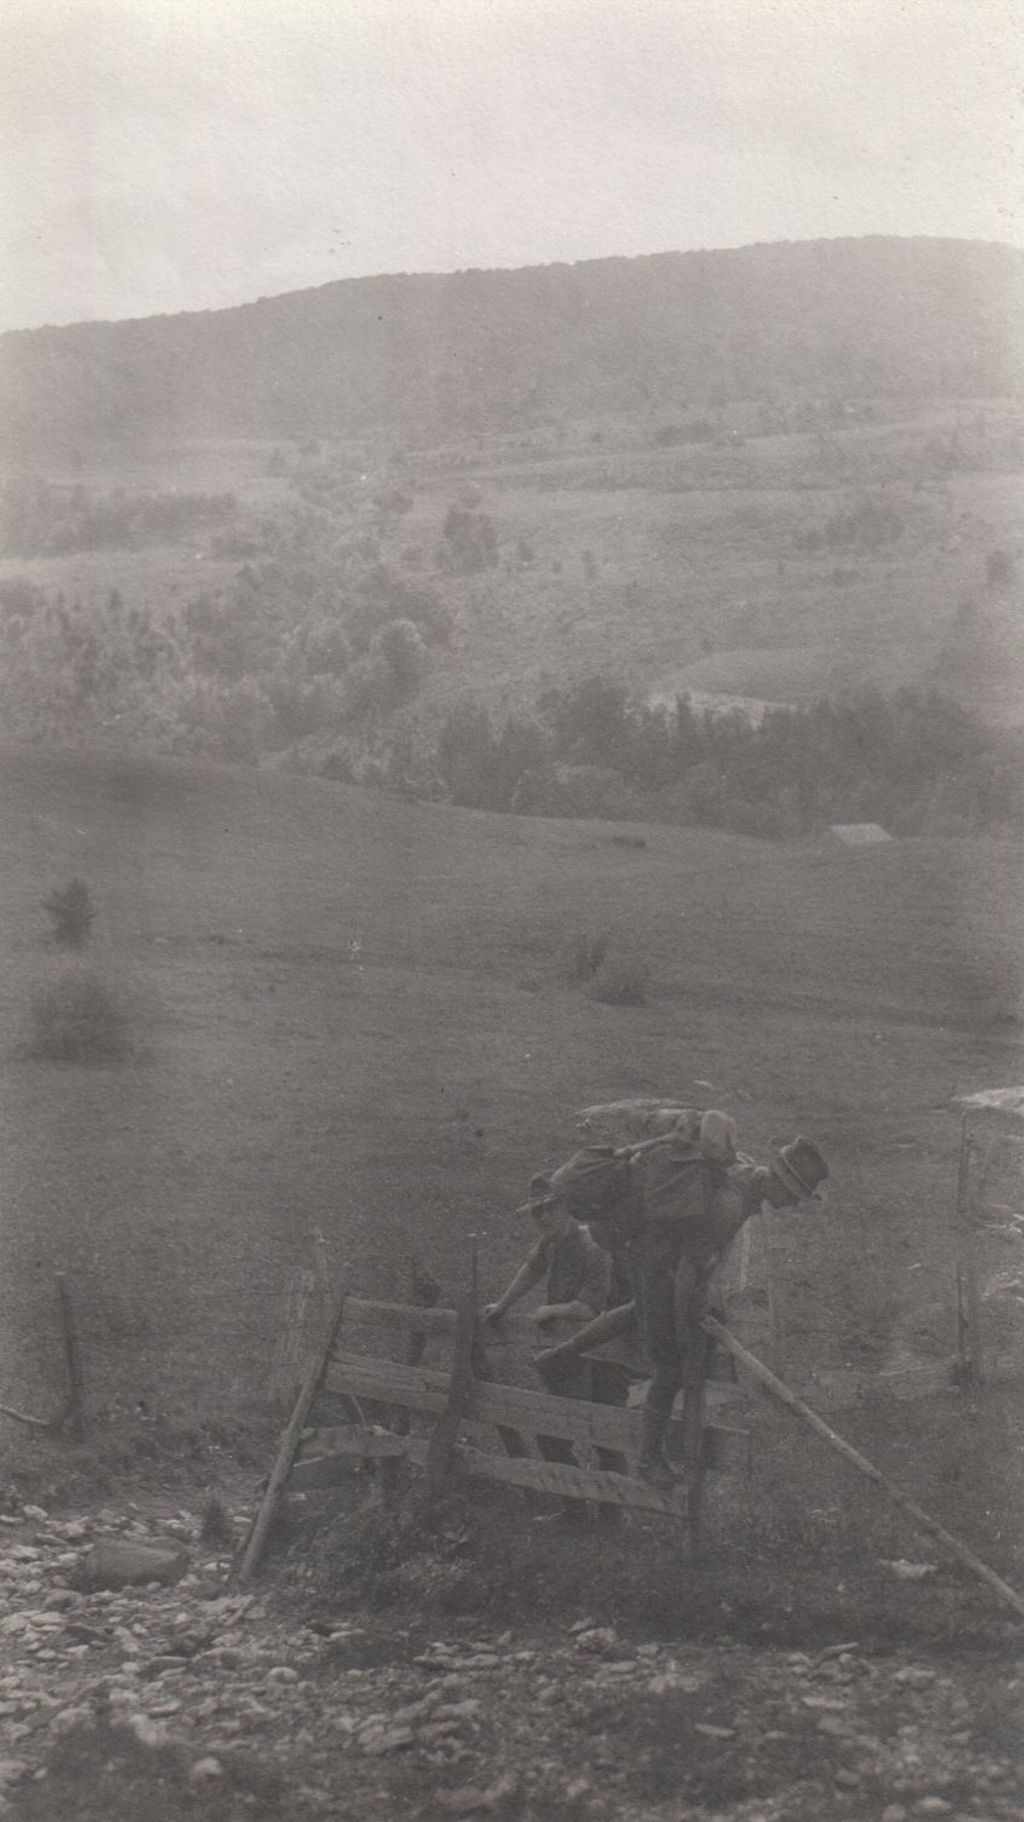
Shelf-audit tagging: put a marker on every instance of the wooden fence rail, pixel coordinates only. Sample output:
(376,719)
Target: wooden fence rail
(456,1418)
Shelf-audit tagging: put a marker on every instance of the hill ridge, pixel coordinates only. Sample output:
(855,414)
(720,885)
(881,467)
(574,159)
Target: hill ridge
(449,354)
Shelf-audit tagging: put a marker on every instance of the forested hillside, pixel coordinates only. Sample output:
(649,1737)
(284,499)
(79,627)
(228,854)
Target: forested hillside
(447,355)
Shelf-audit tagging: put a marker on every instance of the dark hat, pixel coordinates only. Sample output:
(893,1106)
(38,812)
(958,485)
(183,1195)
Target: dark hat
(541,1196)
(801,1167)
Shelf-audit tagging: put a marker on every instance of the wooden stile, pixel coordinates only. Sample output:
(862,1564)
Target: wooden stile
(458,1419)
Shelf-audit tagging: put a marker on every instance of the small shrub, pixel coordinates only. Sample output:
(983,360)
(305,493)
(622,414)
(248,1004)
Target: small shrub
(71,911)
(78,1018)
(580,956)
(216,1529)
(620,980)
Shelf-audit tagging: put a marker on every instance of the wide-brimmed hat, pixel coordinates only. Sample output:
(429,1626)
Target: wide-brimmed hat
(541,1196)
(801,1167)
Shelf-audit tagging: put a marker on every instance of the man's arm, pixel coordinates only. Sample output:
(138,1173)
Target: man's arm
(592,1295)
(530,1273)
(620,1321)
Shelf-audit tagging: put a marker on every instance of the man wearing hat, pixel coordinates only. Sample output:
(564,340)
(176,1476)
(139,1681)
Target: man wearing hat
(578,1271)
(578,1276)
(694,1200)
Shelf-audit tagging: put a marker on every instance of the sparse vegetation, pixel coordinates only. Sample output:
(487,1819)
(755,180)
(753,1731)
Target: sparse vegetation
(78,1017)
(216,1530)
(71,913)
(41,519)
(620,980)
(580,955)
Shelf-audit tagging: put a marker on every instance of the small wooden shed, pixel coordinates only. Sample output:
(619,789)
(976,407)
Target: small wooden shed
(857,834)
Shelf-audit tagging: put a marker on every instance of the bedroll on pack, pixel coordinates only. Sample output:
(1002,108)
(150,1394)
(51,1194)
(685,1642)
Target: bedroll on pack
(594,1182)
(680,1177)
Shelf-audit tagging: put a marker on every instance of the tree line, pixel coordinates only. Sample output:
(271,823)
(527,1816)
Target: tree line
(914,761)
(319,658)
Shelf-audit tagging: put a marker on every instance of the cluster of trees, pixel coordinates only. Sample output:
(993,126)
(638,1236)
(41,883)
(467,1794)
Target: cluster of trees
(39,518)
(317,636)
(915,762)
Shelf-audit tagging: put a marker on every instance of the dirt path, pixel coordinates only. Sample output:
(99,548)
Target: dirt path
(193,1701)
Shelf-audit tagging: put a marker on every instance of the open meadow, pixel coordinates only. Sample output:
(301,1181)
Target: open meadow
(352,1014)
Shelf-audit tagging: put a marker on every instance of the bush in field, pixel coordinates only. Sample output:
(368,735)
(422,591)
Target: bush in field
(216,1529)
(621,980)
(470,541)
(581,954)
(71,912)
(401,645)
(78,1018)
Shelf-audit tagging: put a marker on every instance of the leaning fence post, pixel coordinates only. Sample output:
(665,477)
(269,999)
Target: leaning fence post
(788,1397)
(74,1410)
(445,1437)
(970,1353)
(252,1549)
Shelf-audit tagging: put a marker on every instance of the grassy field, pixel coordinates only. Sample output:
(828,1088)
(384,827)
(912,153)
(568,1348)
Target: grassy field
(348,1014)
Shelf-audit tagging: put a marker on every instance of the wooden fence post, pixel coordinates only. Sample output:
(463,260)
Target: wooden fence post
(442,1443)
(74,1410)
(969,1347)
(252,1550)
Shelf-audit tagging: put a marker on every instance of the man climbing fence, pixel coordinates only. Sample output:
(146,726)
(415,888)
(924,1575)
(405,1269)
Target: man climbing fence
(668,1210)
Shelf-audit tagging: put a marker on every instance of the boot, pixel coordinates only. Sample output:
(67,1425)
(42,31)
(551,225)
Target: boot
(652,1466)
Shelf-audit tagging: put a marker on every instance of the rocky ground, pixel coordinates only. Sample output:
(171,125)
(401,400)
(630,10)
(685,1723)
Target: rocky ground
(184,1697)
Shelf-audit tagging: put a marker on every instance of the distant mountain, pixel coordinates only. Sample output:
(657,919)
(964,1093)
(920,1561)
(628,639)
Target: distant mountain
(442,356)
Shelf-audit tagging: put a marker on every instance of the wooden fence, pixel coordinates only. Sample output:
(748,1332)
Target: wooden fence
(431,1396)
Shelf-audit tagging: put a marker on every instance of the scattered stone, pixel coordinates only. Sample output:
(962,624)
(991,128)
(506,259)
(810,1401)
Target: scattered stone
(598,1639)
(894,1812)
(77,1715)
(377,1740)
(147,1731)
(39,1513)
(670,1681)
(164,1664)
(205,1771)
(470,1799)
(119,1563)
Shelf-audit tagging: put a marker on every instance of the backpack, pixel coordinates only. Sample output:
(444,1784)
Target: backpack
(595,1182)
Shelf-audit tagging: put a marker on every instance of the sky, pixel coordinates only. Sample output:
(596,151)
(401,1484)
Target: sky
(166,155)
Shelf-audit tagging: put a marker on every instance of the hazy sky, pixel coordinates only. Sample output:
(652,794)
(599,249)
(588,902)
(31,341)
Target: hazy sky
(162,155)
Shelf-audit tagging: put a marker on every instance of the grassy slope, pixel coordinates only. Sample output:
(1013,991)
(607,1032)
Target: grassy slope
(399,1097)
